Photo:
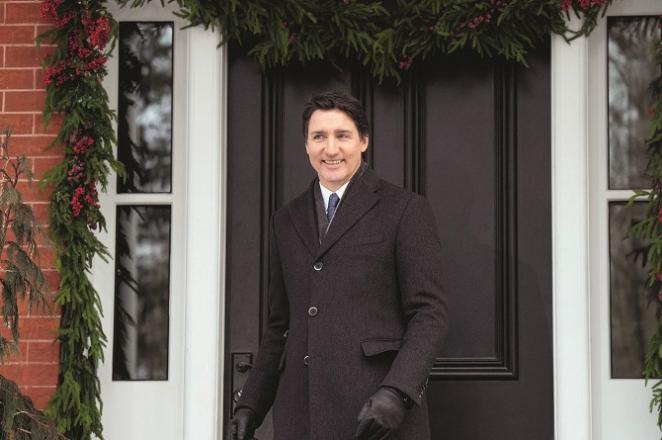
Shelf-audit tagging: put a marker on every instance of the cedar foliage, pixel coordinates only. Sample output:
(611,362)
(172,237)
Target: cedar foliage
(649,229)
(385,36)
(20,279)
(75,70)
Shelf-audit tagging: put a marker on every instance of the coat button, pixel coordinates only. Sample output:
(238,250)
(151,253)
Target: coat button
(306,359)
(318,265)
(312,311)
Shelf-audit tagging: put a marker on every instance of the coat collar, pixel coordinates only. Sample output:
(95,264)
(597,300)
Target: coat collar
(361,196)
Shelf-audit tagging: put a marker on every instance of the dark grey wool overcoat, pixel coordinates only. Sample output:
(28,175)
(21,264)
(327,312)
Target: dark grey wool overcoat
(362,309)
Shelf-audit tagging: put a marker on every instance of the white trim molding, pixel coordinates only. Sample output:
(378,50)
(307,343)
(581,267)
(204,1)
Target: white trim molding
(570,241)
(205,237)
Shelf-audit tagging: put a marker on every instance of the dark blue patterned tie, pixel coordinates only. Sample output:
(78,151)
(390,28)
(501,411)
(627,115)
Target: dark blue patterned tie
(333,203)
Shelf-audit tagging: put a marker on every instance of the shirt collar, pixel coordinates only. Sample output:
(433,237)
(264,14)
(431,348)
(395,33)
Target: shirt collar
(326,193)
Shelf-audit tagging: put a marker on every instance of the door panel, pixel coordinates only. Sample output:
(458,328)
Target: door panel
(471,135)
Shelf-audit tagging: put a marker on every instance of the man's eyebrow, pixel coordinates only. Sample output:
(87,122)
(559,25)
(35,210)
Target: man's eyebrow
(342,130)
(318,132)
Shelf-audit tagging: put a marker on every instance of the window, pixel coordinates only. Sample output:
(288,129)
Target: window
(141,324)
(631,69)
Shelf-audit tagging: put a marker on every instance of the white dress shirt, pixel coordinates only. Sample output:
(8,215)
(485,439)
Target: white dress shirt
(326,193)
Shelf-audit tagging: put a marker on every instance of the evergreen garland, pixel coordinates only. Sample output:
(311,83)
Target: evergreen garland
(650,230)
(73,78)
(386,37)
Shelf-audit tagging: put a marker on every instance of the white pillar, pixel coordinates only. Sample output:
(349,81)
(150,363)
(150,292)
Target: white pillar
(572,365)
(205,237)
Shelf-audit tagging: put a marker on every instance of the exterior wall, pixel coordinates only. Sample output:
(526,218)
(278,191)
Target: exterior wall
(22,98)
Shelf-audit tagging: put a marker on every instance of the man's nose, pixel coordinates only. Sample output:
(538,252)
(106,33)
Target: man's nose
(331,146)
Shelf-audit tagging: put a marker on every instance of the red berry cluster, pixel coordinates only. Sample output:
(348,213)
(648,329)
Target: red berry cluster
(56,74)
(405,62)
(584,5)
(487,16)
(291,36)
(84,48)
(85,193)
(82,145)
(50,11)
(97,30)
(76,171)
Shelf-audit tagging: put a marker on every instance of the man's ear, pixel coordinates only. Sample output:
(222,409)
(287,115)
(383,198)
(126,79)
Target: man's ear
(364,141)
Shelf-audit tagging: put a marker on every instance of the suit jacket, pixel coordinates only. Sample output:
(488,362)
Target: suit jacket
(362,309)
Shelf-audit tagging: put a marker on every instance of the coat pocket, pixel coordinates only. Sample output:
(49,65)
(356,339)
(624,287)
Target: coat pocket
(363,240)
(375,346)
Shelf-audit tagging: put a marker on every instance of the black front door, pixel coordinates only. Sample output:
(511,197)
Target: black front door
(471,135)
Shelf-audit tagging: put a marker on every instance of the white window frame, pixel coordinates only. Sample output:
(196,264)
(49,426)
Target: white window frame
(619,406)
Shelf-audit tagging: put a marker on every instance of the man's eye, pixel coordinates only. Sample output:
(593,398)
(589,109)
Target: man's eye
(317,137)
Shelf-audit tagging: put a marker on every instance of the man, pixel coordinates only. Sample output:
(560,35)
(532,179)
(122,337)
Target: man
(357,312)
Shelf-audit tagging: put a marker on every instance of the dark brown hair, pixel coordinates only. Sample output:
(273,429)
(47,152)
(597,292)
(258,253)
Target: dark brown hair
(336,99)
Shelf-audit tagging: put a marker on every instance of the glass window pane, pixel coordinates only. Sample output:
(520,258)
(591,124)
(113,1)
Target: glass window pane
(142,292)
(632,68)
(633,305)
(145,106)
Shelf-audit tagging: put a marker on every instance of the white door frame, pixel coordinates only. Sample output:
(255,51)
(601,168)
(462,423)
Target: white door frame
(205,310)
(205,267)
(203,404)
(570,241)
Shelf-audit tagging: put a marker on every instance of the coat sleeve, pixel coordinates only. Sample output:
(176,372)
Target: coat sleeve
(423,299)
(259,391)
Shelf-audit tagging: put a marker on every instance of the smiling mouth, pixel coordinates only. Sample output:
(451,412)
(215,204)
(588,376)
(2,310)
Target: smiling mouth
(332,162)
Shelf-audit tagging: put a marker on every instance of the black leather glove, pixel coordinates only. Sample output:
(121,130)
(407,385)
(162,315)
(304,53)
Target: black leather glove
(382,414)
(243,424)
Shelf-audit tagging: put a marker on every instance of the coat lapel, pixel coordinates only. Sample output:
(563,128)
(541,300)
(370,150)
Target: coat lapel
(360,198)
(302,214)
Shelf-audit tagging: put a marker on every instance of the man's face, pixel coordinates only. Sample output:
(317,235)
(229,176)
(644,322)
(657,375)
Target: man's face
(334,147)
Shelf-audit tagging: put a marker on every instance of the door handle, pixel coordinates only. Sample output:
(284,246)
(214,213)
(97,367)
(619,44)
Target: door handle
(243,366)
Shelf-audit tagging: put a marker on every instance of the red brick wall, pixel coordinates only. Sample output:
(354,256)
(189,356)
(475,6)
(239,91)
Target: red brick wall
(21,102)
